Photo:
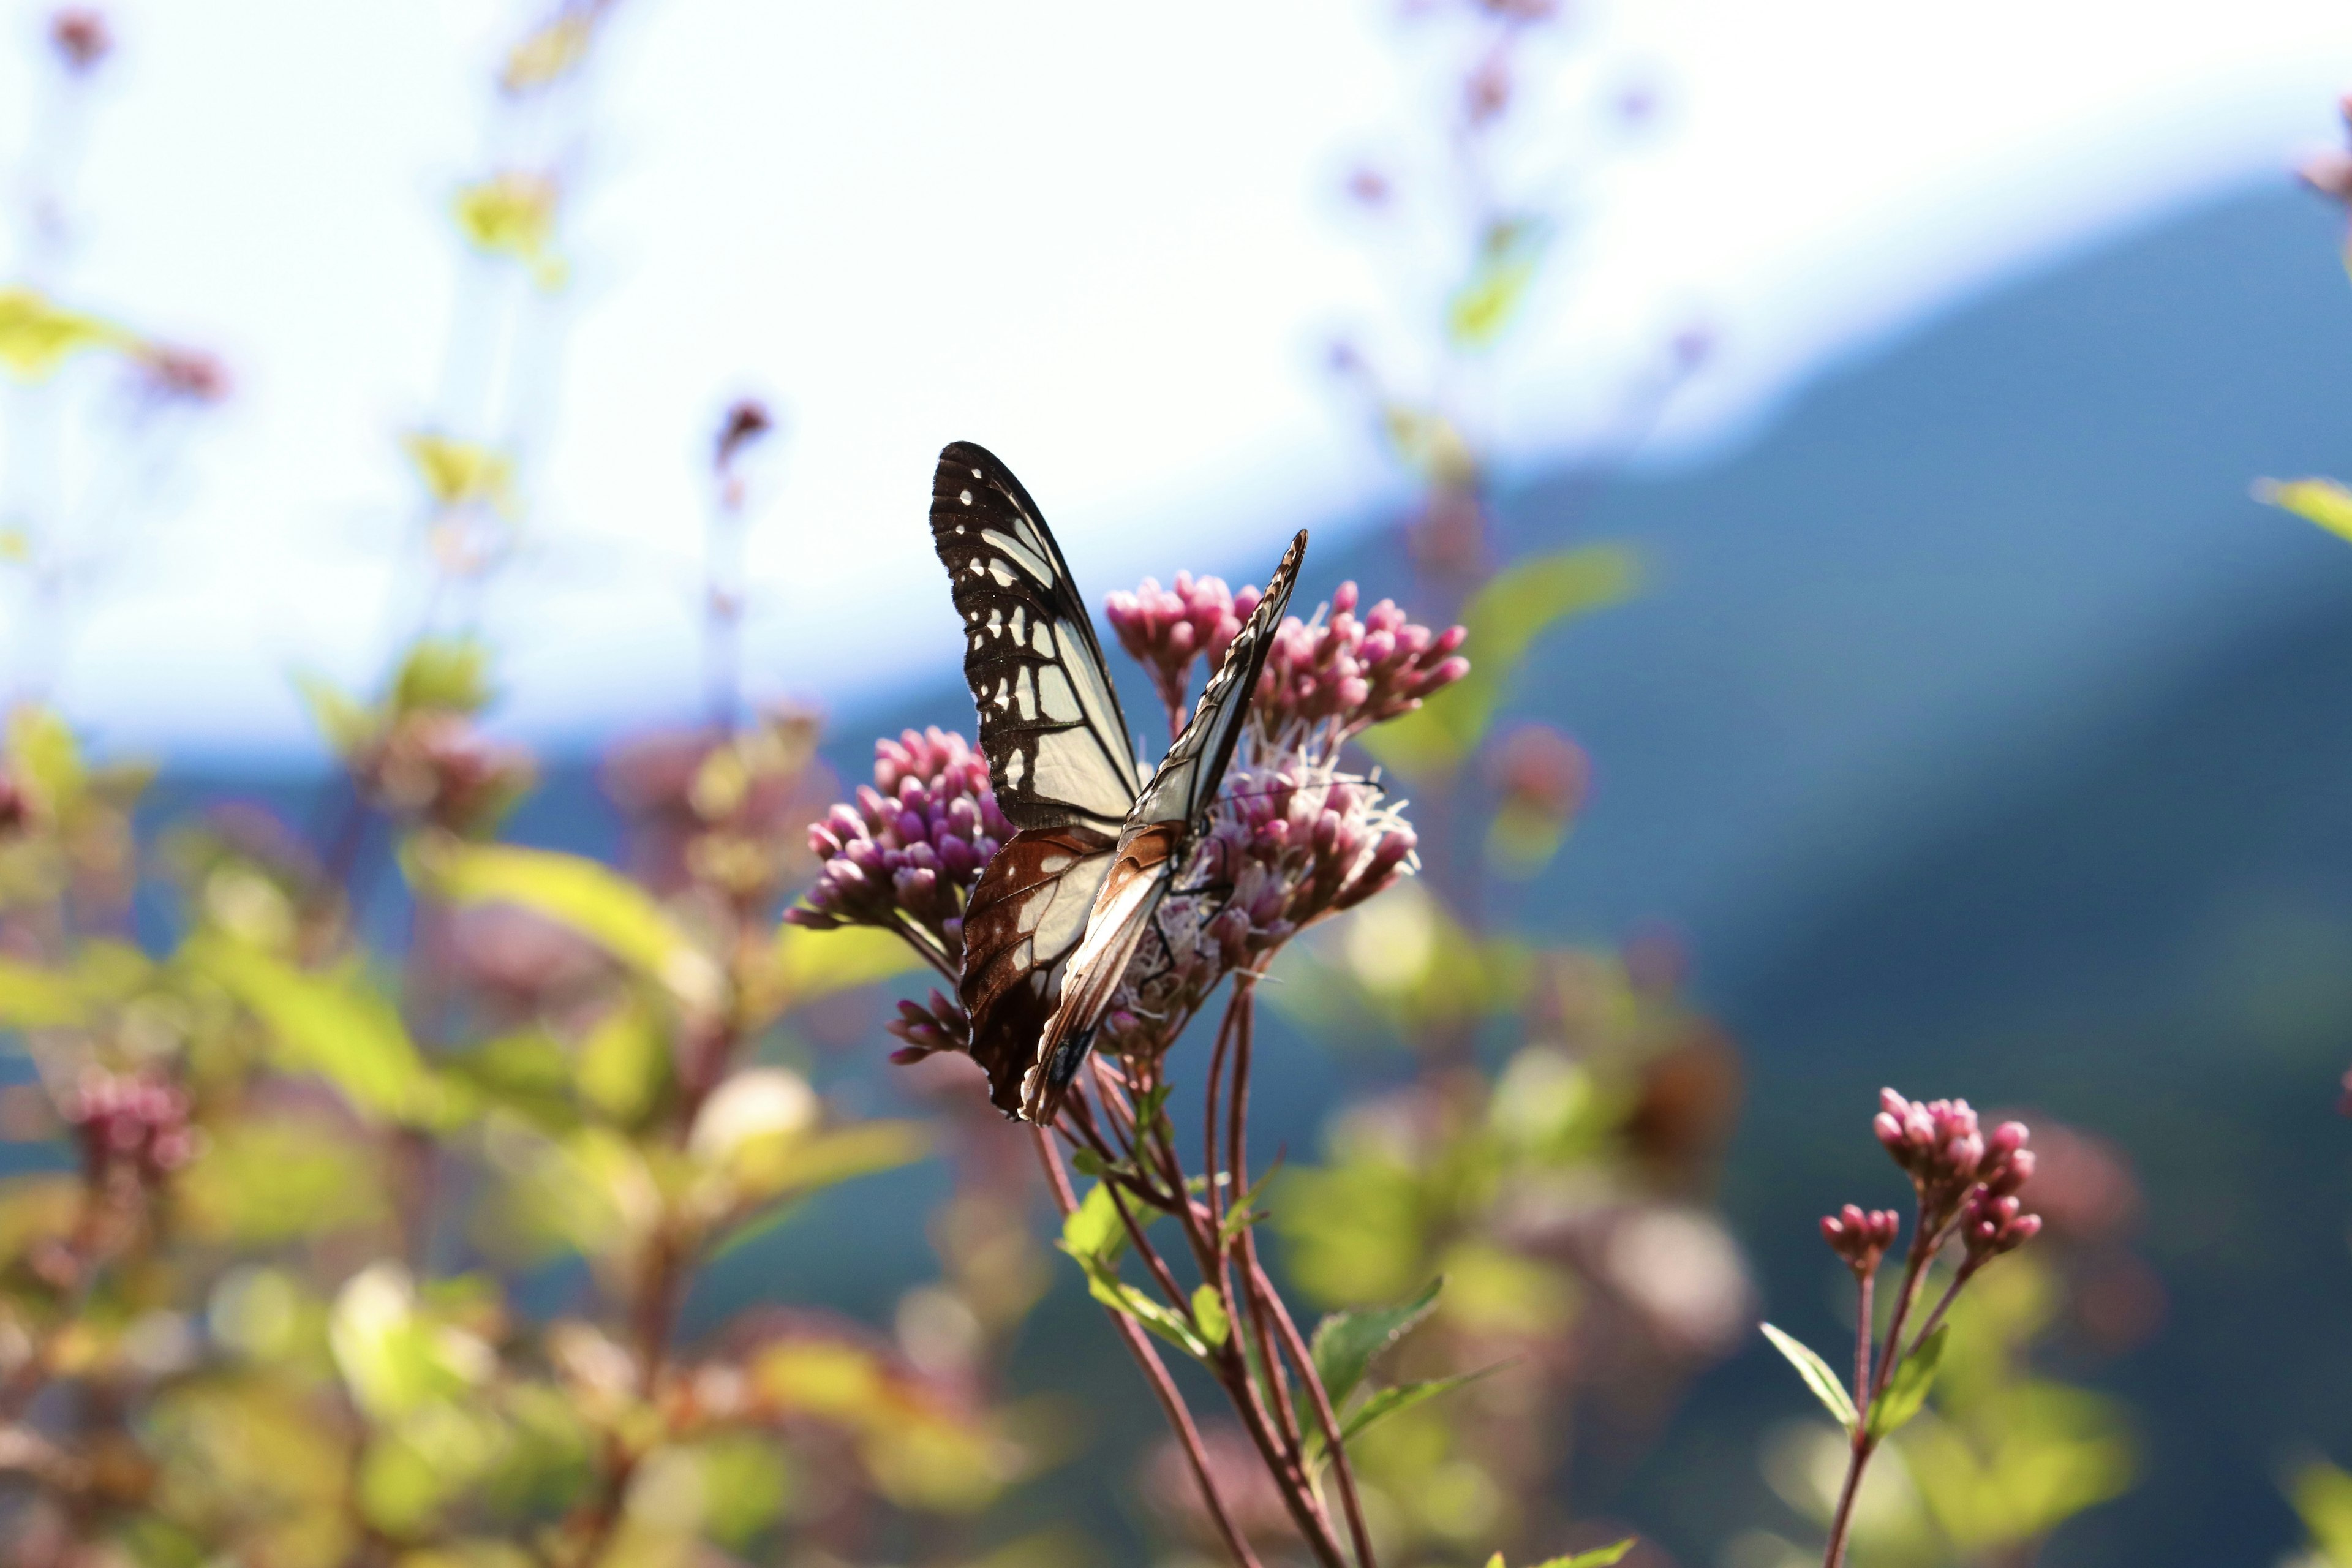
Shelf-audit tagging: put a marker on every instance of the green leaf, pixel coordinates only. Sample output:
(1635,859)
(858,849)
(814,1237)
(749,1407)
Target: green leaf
(33,998)
(334,1025)
(1089,1164)
(1105,1286)
(1209,1312)
(1148,1104)
(1242,1211)
(1599,1557)
(1907,1389)
(2322,1495)
(342,720)
(1094,1231)
(813,963)
(1387,1402)
(1346,1342)
(2322,501)
(1817,1375)
(444,675)
(625,1064)
(574,891)
(1504,619)
(1486,302)
(45,759)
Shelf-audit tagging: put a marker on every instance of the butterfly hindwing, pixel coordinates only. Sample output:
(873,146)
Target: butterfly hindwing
(1058,744)
(1026,915)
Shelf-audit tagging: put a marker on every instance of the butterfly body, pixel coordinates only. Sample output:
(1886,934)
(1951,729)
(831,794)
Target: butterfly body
(1066,903)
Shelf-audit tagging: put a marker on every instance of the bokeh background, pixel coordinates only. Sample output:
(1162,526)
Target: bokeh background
(1973,728)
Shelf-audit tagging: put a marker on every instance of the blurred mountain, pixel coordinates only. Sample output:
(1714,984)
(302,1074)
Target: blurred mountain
(1984,737)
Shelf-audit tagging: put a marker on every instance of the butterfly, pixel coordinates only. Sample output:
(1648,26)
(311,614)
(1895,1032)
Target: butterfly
(1068,899)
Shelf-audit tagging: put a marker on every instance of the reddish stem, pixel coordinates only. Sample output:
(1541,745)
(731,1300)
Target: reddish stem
(1155,1372)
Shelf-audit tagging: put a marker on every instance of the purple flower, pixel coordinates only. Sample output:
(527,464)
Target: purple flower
(1166,629)
(906,856)
(135,1123)
(1861,1238)
(1951,1161)
(1285,848)
(1336,676)
(1993,1223)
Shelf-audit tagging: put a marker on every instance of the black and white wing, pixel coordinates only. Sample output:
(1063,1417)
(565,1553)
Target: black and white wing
(1187,778)
(1152,845)
(1059,752)
(1058,749)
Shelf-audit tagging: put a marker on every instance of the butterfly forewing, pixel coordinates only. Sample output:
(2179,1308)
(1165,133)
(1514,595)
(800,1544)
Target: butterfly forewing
(1057,745)
(1187,778)
(1153,843)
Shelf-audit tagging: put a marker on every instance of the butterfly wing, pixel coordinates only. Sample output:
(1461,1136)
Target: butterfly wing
(1151,845)
(1059,748)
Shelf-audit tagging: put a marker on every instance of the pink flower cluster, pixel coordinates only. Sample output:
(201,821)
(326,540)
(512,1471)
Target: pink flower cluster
(1861,1238)
(905,858)
(1962,1173)
(1166,629)
(1337,676)
(930,1027)
(1285,848)
(133,1122)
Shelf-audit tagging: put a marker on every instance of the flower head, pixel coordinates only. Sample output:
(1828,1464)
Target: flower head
(81,37)
(906,856)
(1861,1238)
(1952,1161)
(1285,848)
(135,1123)
(1166,629)
(1336,676)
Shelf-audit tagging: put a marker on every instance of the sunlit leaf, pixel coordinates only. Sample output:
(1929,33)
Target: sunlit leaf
(342,720)
(1209,1313)
(1599,1557)
(625,1064)
(2322,501)
(576,892)
(265,1181)
(1430,445)
(1504,619)
(1817,1375)
(458,473)
(813,963)
(395,1358)
(1105,1286)
(32,998)
(335,1026)
(1093,1232)
(550,52)
(513,215)
(37,335)
(35,1209)
(444,675)
(1387,1402)
(45,760)
(1345,1343)
(1508,260)
(2322,1495)
(1907,1390)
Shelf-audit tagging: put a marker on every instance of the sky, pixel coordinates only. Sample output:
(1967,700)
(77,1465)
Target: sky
(1114,248)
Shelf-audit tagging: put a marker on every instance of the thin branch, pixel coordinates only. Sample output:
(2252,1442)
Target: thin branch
(1155,1372)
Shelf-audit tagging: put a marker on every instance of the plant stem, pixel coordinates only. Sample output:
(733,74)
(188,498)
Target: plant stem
(1925,1244)
(1155,1372)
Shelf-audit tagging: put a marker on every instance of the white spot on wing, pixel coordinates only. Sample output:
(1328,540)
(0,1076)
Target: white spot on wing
(966,499)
